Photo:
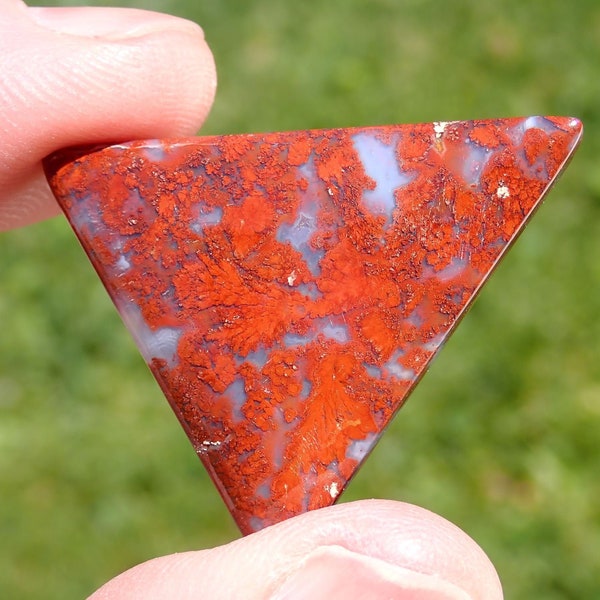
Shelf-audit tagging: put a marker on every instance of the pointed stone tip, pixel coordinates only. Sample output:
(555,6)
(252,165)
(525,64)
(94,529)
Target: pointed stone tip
(576,125)
(576,128)
(571,125)
(573,128)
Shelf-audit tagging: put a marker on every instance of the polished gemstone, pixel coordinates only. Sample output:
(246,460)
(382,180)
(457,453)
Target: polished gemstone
(288,290)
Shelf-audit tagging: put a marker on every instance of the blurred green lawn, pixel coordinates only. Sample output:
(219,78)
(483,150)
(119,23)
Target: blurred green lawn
(502,435)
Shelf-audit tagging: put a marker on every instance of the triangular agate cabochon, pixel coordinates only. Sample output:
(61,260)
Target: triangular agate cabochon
(288,290)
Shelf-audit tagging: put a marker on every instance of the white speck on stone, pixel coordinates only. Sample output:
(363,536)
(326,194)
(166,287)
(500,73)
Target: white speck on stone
(439,127)
(334,490)
(210,444)
(207,445)
(291,278)
(502,191)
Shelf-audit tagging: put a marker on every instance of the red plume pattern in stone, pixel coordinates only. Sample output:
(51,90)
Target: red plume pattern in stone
(288,290)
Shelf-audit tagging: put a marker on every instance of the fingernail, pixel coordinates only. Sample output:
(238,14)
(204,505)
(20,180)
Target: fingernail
(109,23)
(334,572)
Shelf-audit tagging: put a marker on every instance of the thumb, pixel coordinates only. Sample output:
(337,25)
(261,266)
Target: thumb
(363,550)
(85,75)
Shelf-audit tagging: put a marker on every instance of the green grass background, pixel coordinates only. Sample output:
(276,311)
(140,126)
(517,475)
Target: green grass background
(502,435)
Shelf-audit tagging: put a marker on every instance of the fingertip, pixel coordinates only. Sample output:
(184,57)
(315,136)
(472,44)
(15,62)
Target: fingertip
(109,24)
(74,76)
(369,549)
(133,52)
(405,536)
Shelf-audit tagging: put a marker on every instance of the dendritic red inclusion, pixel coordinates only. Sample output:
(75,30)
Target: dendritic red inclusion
(288,290)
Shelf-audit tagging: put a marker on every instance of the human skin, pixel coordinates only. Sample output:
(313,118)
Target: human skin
(85,75)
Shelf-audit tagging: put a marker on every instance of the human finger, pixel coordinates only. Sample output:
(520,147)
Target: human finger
(74,76)
(362,550)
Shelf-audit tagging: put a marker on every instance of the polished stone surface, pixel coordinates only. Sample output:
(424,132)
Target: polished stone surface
(288,290)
